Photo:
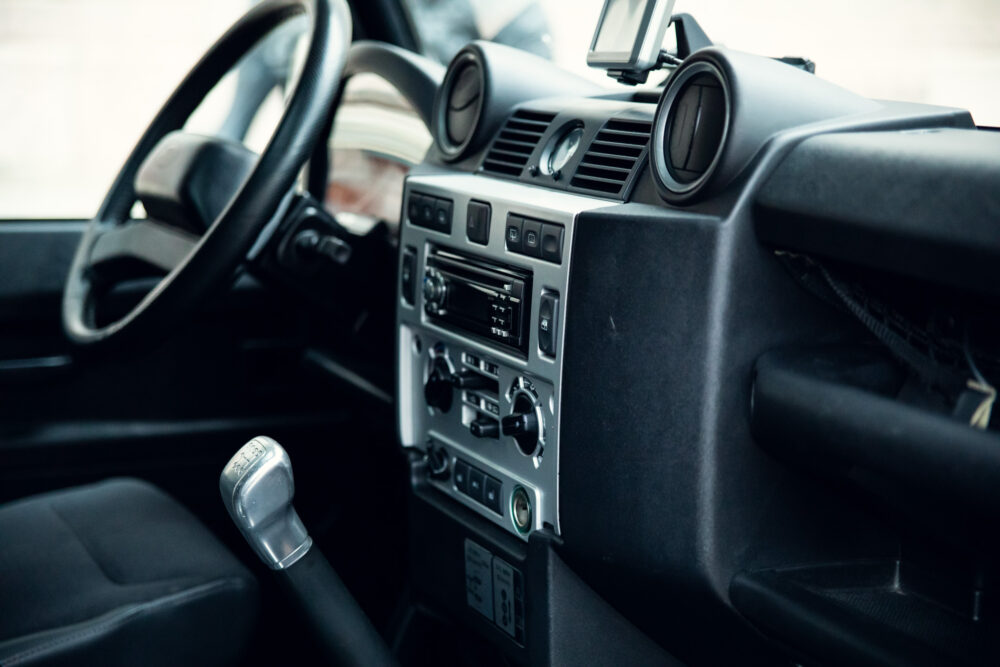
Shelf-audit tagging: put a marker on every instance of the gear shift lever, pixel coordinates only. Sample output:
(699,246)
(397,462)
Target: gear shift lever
(257,488)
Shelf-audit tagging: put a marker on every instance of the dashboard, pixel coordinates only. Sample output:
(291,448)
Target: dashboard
(625,328)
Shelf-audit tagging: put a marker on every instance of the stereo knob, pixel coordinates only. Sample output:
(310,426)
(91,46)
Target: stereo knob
(439,388)
(435,290)
(523,425)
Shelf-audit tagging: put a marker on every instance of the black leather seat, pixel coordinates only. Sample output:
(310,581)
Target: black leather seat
(118,573)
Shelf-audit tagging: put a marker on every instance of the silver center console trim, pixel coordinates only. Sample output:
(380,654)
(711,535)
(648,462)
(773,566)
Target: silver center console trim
(420,339)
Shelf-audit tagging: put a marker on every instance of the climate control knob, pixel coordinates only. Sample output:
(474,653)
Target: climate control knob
(523,424)
(439,389)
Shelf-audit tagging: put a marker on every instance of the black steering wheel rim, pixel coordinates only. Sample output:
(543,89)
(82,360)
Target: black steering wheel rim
(214,258)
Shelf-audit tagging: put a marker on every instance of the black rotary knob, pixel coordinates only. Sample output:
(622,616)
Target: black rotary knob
(438,391)
(522,424)
(435,290)
(437,462)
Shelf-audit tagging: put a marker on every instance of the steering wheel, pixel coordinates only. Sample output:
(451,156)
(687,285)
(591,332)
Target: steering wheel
(200,260)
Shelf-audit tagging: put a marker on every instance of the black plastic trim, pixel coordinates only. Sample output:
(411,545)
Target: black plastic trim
(924,204)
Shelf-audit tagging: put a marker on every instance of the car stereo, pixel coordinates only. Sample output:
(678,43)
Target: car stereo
(478,297)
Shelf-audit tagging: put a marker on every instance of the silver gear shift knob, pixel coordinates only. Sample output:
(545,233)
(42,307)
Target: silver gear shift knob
(257,488)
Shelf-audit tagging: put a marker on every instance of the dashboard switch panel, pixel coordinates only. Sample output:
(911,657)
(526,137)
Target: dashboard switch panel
(534,238)
(429,212)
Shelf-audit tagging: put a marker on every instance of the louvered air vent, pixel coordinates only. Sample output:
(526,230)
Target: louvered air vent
(517,140)
(614,154)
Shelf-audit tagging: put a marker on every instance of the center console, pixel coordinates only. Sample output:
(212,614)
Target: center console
(484,267)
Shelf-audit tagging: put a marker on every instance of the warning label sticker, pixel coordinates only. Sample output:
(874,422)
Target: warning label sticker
(503,596)
(479,579)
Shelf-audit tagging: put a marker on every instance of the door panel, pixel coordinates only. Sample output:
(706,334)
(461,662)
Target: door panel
(173,414)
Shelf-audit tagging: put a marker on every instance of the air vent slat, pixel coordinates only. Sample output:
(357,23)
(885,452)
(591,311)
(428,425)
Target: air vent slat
(519,135)
(637,138)
(502,168)
(514,161)
(609,159)
(625,150)
(629,125)
(612,157)
(597,169)
(527,125)
(511,145)
(540,116)
(516,141)
(597,184)
(497,152)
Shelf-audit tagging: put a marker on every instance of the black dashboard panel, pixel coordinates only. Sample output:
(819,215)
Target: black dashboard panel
(922,203)
(654,488)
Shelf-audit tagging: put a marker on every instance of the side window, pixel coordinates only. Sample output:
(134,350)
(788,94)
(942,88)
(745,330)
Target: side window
(376,138)
(82,79)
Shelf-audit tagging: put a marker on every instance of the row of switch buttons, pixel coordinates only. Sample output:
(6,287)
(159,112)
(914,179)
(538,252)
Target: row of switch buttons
(484,404)
(430,212)
(487,367)
(478,485)
(534,238)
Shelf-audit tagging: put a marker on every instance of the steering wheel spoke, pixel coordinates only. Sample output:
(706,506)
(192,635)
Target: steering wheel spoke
(208,200)
(120,250)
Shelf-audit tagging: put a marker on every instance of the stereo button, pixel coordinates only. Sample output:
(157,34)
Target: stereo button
(492,494)
(531,238)
(477,226)
(408,271)
(476,482)
(462,476)
(513,233)
(426,216)
(552,242)
(413,208)
(442,215)
(548,320)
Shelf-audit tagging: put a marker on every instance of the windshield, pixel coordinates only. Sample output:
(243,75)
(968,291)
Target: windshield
(945,53)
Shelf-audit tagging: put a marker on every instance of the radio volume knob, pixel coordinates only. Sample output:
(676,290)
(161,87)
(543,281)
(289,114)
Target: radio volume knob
(434,289)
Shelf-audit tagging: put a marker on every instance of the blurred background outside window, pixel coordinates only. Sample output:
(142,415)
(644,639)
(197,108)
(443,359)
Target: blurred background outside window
(80,79)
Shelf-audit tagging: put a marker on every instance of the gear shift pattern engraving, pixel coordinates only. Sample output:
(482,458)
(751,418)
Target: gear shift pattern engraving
(248,453)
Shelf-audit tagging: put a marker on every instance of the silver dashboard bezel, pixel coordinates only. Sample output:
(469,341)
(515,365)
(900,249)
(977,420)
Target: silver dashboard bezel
(416,423)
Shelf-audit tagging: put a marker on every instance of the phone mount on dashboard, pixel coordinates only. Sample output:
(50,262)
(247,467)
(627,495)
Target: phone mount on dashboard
(628,41)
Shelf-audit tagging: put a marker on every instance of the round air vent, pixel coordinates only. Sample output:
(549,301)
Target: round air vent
(690,130)
(459,105)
